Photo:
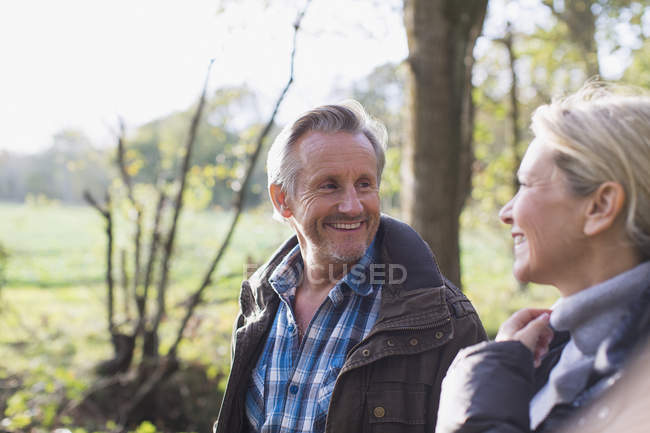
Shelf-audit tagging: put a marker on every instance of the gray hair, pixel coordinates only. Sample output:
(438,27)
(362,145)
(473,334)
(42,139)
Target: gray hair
(349,116)
(600,134)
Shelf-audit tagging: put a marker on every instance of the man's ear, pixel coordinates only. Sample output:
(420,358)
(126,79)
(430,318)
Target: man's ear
(279,199)
(604,206)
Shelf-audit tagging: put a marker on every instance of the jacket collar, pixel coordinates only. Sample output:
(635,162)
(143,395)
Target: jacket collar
(406,298)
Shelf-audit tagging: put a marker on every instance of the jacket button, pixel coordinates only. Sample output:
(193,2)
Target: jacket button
(413,342)
(439,335)
(379,412)
(390,343)
(365,352)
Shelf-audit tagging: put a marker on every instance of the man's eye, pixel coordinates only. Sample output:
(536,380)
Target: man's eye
(364,184)
(328,185)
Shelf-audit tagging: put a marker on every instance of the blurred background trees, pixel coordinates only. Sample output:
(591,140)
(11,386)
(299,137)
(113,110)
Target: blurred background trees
(457,111)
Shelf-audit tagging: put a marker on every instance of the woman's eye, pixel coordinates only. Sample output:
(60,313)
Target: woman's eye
(328,186)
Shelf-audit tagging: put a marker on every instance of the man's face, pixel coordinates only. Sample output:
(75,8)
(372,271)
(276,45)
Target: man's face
(335,211)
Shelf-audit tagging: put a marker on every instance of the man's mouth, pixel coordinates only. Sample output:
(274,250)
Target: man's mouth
(346,226)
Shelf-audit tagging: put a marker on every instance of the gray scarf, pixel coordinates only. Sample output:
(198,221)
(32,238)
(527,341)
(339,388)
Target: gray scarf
(589,316)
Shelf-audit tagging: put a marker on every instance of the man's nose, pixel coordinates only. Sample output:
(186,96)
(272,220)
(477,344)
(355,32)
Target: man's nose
(350,203)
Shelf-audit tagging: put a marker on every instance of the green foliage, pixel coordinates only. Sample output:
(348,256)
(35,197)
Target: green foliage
(382,93)
(61,172)
(550,60)
(639,71)
(224,141)
(146,427)
(38,403)
(4,257)
(55,335)
(53,331)
(390,181)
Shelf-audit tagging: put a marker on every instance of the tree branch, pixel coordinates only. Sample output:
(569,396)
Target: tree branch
(141,300)
(128,182)
(154,380)
(169,244)
(105,211)
(240,200)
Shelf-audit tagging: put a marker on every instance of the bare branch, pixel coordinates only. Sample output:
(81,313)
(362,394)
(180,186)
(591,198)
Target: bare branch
(128,182)
(121,162)
(169,360)
(169,243)
(195,298)
(153,249)
(125,284)
(105,211)
(91,201)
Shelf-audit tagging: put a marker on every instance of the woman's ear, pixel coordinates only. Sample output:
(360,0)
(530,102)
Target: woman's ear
(279,199)
(604,207)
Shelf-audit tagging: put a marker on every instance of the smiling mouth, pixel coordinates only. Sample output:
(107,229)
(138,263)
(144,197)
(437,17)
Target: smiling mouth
(518,239)
(346,226)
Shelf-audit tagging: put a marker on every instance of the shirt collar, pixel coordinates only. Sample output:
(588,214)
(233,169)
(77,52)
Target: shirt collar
(289,273)
(359,279)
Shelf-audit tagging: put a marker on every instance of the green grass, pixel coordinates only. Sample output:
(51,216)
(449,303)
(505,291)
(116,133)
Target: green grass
(53,326)
(57,264)
(52,309)
(56,276)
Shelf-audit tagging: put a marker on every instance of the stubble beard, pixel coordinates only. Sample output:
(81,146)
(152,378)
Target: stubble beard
(329,253)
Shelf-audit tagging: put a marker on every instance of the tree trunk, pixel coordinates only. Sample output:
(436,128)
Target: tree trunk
(581,24)
(436,172)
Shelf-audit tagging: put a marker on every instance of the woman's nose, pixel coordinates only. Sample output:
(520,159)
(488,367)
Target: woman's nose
(505,214)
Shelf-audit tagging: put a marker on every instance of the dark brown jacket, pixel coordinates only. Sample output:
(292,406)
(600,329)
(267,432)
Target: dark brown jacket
(391,380)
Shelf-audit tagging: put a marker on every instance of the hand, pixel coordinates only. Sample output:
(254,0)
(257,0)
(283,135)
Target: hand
(530,327)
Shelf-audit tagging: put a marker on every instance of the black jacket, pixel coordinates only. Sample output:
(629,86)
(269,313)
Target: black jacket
(489,386)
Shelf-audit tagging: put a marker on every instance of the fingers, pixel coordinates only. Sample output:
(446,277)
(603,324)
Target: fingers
(536,336)
(531,327)
(543,343)
(518,321)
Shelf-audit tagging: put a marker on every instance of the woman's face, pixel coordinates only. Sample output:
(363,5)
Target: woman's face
(547,221)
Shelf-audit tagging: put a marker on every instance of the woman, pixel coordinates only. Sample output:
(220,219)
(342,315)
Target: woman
(580,222)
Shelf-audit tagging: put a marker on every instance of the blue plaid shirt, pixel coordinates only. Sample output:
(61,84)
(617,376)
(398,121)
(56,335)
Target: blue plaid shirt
(292,383)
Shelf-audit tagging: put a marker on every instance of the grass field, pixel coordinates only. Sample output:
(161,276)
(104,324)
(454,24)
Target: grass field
(55,278)
(52,313)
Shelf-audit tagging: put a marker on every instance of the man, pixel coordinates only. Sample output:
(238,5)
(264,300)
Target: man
(349,327)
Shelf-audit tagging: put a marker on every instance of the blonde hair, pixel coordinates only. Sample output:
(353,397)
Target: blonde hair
(282,163)
(602,133)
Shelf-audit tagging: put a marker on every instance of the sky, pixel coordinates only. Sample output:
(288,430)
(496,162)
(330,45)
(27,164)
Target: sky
(83,63)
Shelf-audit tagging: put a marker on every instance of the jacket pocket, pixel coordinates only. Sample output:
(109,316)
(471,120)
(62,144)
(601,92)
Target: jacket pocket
(398,410)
